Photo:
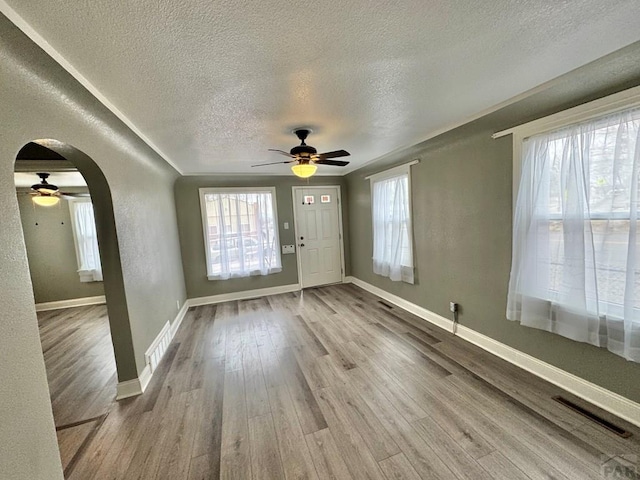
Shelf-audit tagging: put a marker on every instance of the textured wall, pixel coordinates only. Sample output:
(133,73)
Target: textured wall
(40,100)
(462,206)
(51,253)
(192,238)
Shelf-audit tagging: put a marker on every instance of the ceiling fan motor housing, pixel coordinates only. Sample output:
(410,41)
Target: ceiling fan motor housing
(44,187)
(303,151)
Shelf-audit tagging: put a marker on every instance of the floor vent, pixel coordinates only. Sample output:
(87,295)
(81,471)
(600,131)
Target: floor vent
(593,417)
(385,304)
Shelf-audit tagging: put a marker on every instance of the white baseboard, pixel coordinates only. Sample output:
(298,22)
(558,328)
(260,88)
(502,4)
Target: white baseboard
(244,295)
(178,320)
(592,393)
(153,356)
(417,310)
(129,388)
(73,302)
(145,378)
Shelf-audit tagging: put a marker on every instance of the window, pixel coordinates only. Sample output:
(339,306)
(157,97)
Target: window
(391,218)
(246,226)
(85,239)
(576,251)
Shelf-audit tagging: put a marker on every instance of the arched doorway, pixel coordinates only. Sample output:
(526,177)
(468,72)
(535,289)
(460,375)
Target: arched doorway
(82,386)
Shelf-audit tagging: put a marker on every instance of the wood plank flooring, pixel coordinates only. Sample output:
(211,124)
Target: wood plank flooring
(79,360)
(81,373)
(333,384)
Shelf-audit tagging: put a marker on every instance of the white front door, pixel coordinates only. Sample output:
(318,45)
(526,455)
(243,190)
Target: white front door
(318,237)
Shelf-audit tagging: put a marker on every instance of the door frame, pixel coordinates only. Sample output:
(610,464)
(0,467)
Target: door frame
(294,190)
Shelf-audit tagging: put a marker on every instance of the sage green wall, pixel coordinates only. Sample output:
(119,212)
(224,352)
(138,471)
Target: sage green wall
(192,238)
(462,207)
(138,232)
(51,253)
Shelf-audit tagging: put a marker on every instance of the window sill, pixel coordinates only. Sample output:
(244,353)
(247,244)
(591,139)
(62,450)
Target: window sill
(256,273)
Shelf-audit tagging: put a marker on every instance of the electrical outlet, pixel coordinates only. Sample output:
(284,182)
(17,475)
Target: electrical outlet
(453,306)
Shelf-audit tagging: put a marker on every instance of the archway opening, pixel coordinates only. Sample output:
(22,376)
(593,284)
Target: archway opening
(74,262)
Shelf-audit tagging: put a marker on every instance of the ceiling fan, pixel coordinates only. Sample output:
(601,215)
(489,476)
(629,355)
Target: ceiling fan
(46,194)
(305,157)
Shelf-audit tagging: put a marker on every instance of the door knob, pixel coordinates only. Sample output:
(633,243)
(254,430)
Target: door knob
(302,244)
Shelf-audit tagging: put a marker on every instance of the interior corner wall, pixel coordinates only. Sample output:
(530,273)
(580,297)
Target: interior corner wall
(462,207)
(192,237)
(51,252)
(41,100)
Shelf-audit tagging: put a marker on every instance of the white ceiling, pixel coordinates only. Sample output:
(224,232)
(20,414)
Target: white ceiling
(61,179)
(211,84)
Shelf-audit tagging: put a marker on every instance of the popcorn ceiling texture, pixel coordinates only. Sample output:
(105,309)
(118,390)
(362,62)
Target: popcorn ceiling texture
(215,83)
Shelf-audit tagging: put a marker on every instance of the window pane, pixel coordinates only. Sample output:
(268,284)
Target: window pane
(590,183)
(86,240)
(392,250)
(244,241)
(611,241)
(325,199)
(309,200)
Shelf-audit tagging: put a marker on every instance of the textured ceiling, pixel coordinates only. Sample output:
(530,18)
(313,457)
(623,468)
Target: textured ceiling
(213,84)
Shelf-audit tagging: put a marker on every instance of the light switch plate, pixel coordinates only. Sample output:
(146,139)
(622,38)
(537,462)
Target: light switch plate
(286,225)
(288,249)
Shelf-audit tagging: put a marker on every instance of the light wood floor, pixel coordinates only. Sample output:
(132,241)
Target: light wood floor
(332,383)
(81,373)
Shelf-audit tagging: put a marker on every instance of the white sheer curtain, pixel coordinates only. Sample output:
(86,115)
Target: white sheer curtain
(391,213)
(576,264)
(86,240)
(241,234)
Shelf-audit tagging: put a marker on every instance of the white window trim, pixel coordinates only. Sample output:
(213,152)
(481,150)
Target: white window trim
(404,169)
(394,171)
(203,210)
(603,106)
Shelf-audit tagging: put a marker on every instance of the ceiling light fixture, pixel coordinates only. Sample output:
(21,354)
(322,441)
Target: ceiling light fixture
(304,170)
(44,187)
(45,200)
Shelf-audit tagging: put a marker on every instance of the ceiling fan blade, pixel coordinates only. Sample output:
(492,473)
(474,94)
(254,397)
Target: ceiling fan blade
(282,152)
(272,163)
(75,195)
(335,163)
(336,154)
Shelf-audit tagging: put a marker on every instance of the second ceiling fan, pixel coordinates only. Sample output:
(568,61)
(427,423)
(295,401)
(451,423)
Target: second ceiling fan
(46,194)
(307,157)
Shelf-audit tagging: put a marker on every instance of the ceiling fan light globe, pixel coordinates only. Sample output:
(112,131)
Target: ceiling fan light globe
(304,170)
(45,200)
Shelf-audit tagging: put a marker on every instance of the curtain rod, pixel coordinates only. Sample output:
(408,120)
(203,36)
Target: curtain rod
(408,164)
